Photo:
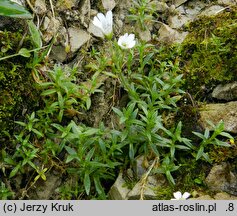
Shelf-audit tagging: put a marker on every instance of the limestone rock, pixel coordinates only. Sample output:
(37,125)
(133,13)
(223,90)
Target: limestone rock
(192,9)
(184,14)
(140,168)
(170,36)
(217,112)
(203,197)
(45,190)
(227,2)
(119,190)
(144,35)
(77,38)
(51,27)
(40,7)
(177,3)
(159,6)
(108,4)
(85,10)
(64,5)
(178,21)
(212,10)
(58,53)
(224,196)
(221,179)
(226,92)
(153,183)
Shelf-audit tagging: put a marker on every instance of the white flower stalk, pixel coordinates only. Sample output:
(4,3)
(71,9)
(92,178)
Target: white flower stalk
(178,195)
(127,41)
(104,23)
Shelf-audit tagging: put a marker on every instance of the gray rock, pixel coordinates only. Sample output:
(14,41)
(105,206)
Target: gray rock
(153,183)
(221,179)
(144,35)
(46,189)
(217,112)
(212,10)
(192,9)
(65,5)
(140,168)
(40,7)
(177,3)
(226,92)
(85,10)
(203,197)
(178,21)
(58,53)
(119,190)
(159,6)
(227,2)
(170,36)
(108,4)
(185,13)
(51,26)
(224,196)
(77,37)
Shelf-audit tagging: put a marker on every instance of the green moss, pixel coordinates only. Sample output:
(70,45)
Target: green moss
(17,90)
(209,52)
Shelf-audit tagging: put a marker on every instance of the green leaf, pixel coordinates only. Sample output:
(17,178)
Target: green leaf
(88,103)
(199,135)
(21,123)
(15,170)
(170,177)
(207,158)
(200,152)
(90,154)
(14,10)
(35,34)
(207,133)
(48,92)
(221,143)
(71,157)
(87,183)
(102,146)
(224,134)
(98,186)
(70,150)
(131,151)
(91,131)
(117,111)
(24,52)
(37,132)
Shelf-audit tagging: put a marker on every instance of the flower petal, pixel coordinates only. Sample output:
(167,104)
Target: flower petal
(109,17)
(101,17)
(177,195)
(132,44)
(130,37)
(186,195)
(97,23)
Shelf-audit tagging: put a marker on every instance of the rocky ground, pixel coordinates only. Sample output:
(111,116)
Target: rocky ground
(68,23)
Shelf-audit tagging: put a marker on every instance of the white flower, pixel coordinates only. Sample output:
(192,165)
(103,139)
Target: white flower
(127,41)
(178,195)
(104,23)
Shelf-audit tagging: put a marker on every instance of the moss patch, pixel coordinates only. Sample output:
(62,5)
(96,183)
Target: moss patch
(17,91)
(209,52)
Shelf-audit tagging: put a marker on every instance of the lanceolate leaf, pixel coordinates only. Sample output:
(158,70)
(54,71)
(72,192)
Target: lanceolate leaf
(11,9)
(35,34)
